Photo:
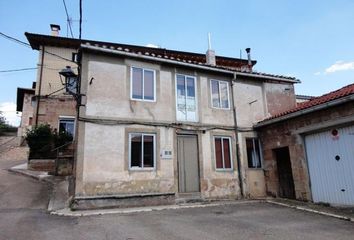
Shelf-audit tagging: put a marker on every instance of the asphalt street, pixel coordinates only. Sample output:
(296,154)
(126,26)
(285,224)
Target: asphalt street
(23,215)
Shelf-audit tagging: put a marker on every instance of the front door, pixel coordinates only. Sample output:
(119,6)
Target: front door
(285,174)
(188,167)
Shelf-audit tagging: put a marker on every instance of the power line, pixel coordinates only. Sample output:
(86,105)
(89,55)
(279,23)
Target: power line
(28,45)
(80,30)
(68,19)
(17,70)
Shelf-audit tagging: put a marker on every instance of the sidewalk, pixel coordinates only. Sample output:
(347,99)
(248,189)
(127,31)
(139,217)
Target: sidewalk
(59,201)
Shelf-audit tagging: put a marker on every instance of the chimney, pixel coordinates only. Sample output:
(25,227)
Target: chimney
(210,54)
(248,51)
(55,29)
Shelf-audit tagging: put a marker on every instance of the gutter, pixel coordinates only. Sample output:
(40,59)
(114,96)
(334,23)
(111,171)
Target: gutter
(306,111)
(203,67)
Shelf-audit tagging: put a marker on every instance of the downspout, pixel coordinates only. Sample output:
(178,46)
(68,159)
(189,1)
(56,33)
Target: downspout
(239,170)
(40,85)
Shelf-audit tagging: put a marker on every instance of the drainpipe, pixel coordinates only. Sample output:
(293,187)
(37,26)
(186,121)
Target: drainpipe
(239,170)
(40,85)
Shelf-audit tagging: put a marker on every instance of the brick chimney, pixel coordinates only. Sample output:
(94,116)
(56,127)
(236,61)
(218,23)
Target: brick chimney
(210,54)
(55,29)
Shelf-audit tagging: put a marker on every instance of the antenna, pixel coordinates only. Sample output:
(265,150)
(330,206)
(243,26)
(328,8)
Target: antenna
(209,41)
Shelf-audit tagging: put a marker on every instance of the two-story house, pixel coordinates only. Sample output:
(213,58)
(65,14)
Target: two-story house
(154,122)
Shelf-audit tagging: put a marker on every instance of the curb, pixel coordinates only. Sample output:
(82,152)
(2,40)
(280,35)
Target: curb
(41,177)
(312,210)
(68,213)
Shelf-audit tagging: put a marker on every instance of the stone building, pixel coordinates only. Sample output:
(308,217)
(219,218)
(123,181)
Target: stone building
(24,105)
(154,122)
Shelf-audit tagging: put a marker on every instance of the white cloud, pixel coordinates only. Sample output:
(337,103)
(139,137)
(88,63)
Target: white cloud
(317,73)
(151,45)
(8,110)
(340,66)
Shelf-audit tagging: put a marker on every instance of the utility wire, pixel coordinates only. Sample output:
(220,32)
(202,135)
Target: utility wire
(68,19)
(80,19)
(28,45)
(17,70)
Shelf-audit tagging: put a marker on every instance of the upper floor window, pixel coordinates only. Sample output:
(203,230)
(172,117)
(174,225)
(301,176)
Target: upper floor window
(223,153)
(67,125)
(186,101)
(142,148)
(253,153)
(142,84)
(219,94)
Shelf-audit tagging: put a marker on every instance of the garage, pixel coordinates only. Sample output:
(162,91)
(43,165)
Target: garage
(330,157)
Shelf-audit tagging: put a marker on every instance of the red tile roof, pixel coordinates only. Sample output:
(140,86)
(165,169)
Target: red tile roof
(342,92)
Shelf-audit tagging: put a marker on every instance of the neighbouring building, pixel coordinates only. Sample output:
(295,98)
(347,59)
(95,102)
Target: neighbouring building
(158,122)
(308,150)
(303,98)
(25,106)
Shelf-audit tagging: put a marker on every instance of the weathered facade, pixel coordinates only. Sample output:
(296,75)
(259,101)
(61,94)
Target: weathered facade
(287,151)
(24,105)
(158,122)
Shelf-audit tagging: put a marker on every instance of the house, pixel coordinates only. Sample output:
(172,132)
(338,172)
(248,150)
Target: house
(308,150)
(159,123)
(303,98)
(24,105)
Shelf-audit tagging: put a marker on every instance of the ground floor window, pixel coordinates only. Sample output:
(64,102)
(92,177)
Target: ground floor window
(142,148)
(253,153)
(67,125)
(223,153)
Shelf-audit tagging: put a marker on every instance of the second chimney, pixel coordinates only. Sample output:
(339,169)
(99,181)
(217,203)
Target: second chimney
(55,29)
(210,57)
(248,51)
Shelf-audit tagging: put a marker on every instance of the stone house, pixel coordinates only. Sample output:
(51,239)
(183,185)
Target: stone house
(24,105)
(154,122)
(308,150)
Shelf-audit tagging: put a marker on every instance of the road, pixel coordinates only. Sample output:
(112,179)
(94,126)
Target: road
(23,215)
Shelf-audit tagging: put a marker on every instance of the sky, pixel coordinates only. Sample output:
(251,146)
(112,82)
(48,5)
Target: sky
(310,40)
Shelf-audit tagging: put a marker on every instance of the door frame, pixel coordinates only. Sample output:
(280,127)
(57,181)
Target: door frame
(187,134)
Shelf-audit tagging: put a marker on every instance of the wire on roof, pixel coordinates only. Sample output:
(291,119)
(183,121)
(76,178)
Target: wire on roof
(68,19)
(17,70)
(28,45)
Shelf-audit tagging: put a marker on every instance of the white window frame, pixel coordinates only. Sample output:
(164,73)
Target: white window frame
(185,89)
(69,118)
(131,84)
(228,94)
(222,154)
(254,149)
(142,151)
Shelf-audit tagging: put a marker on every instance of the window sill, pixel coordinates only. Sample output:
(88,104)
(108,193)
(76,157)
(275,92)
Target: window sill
(224,170)
(142,169)
(141,100)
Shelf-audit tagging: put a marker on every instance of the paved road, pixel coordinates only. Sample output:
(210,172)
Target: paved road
(23,216)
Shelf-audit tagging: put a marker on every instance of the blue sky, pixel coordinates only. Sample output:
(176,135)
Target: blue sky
(311,40)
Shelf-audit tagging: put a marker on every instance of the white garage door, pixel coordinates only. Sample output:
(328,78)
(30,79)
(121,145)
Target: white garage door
(330,157)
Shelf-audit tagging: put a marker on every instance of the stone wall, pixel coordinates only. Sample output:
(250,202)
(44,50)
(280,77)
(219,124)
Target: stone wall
(290,133)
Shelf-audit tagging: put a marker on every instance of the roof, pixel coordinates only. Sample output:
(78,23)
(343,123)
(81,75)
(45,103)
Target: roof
(36,40)
(314,104)
(20,94)
(304,97)
(225,63)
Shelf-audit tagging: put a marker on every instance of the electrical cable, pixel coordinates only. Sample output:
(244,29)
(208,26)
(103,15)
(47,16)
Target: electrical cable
(80,29)
(17,70)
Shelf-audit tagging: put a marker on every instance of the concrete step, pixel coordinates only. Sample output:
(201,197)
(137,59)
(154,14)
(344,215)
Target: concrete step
(182,198)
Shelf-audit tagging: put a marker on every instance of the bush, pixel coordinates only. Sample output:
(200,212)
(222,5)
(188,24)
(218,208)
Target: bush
(42,140)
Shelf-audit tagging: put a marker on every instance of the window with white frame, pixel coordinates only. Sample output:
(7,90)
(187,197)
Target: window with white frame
(142,148)
(142,84)
(219,94)
(186,99)
(223,159)
(253,153)
(67,125)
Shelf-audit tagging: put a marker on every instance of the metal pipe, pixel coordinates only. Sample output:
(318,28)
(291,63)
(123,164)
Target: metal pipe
(239,170)
(40,84)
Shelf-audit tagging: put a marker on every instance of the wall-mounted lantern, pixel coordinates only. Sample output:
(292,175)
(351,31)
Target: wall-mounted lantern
(70,80)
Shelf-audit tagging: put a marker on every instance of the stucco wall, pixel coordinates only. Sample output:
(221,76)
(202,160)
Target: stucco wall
(27,113)
(290,133)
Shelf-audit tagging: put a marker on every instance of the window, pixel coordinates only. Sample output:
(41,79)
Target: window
(186,101)
(223,153)
(142,84)
(253,153)
(219,94)
(67,125)
(141,151)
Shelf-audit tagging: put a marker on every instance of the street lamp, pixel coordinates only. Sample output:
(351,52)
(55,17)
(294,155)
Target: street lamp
(70,80)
